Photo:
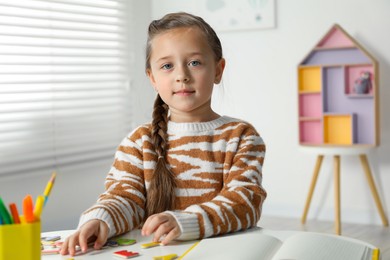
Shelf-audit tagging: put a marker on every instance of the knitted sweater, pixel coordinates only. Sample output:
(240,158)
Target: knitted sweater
(218,166)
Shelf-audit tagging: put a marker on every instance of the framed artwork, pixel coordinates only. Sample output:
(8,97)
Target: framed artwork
(223,15)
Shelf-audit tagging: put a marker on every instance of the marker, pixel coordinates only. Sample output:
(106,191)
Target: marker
(149,245)
(5,216)
(14,213)
(49,186)
(38,207)
(28,209)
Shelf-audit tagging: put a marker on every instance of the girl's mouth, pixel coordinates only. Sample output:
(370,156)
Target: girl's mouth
(184,92)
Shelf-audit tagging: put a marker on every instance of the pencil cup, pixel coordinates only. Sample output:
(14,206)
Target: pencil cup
(20,241)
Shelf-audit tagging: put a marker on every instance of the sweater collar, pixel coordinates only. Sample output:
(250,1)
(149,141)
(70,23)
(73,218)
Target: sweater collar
(198,126)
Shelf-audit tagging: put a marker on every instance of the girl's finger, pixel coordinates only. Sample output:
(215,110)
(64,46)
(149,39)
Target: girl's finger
(64,247)
(153,223)
(174,233)
(163,230)
(102,236)
(73,242)
(83,239)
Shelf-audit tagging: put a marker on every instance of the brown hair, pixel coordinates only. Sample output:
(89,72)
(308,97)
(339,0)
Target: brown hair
(161,192)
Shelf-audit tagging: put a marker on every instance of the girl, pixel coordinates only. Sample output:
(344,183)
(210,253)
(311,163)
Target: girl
(191,173)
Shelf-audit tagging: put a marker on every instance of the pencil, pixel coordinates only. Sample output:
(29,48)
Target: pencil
(49,186)
(189,249)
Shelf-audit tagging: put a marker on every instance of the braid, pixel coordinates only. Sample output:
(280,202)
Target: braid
(161,192)
(159,126)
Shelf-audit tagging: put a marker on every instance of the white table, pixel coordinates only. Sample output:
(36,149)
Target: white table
(177,247)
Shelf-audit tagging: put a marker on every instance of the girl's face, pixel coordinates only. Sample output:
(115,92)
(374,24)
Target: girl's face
(183,71)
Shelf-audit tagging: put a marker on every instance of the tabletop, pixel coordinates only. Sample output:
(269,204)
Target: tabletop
(180,248)
(175,247)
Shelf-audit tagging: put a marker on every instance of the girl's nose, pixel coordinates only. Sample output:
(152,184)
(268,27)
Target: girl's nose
(182,76)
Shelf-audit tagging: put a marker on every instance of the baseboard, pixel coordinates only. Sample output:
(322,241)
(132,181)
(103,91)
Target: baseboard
(359,216)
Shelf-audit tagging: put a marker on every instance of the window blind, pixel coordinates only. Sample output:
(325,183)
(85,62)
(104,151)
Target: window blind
(64,82)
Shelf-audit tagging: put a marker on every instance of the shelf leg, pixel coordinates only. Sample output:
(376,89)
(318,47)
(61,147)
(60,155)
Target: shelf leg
(312,186)
(371,183)
(336,165)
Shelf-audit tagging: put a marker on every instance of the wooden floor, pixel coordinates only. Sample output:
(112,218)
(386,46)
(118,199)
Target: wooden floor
(376,235)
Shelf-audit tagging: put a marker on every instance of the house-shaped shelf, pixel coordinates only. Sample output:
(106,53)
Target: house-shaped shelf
(338,93)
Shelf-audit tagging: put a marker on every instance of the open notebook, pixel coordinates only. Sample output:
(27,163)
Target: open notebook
(297,245)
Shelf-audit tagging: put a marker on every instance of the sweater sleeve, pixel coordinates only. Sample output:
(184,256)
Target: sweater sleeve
(239,203)
(121,206)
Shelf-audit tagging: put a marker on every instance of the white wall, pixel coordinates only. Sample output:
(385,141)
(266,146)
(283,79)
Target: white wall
(260,85)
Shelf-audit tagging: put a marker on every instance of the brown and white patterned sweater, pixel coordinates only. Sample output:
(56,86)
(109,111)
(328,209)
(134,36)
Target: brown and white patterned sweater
(218,166)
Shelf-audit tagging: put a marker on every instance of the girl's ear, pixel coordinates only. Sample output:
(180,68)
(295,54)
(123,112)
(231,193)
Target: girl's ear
(219,70)
(151,78)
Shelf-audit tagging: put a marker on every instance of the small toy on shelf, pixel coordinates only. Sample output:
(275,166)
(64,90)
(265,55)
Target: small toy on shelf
(363,83)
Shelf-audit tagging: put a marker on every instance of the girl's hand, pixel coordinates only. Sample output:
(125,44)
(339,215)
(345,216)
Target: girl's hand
(162,224)
(94,230)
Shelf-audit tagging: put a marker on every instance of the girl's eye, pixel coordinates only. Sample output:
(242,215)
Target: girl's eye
(194,63)
(166,66)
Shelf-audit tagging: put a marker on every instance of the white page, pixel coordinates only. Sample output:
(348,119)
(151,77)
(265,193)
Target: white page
(309,246)
(235,247)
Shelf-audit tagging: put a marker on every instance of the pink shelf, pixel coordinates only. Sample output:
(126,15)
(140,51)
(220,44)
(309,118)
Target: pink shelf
(335,38)
(310,132)
(310,105)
